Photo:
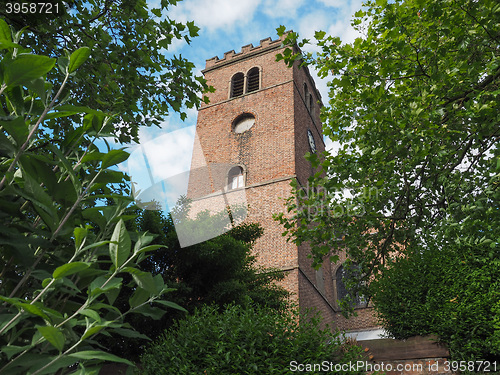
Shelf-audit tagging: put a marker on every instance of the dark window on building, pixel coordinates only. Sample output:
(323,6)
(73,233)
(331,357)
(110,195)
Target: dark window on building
(253,80)
(345,274)
(306,96)
(236,178)
(237,83)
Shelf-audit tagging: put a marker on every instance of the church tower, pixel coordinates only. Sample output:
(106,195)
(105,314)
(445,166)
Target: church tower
(251,140)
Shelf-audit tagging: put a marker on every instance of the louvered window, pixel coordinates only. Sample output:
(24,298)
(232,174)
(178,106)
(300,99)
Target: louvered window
(253,80)
(237,83)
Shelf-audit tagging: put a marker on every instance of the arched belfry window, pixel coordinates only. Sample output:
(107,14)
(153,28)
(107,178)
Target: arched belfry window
(345,275)
(236,178)
(253,79)
(237,84)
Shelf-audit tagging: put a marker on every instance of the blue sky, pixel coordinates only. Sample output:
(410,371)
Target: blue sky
(228,25)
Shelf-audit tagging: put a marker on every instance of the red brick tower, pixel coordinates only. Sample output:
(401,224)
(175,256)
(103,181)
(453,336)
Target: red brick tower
(261,120)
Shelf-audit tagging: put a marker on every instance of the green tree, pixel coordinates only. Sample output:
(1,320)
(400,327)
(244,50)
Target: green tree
(129,73)
(414,106)
(216,272)
(248,340)
(460,289)
(64,254)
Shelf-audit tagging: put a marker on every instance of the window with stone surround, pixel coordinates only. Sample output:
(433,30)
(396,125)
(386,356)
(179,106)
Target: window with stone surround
(236,178)
(243,122)
(237,84)
(253,80)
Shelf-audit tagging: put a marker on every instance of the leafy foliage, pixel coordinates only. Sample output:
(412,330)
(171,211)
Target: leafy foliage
(245,340)
(63,253)
(129,73)
(460,289)
(414,108)
(217,272)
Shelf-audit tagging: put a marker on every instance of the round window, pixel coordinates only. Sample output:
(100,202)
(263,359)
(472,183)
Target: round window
(243,123)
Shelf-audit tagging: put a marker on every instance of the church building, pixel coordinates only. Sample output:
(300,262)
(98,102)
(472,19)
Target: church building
(251,139)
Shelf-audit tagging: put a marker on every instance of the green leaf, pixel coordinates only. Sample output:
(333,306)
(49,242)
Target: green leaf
(69,269)
(5,34)
(152,312)
(36,361)
(77,58)
(119,249)
(148,248)
(80,234)
(70,110)
(93,214)
(138,298)
(7,146)
(114,157)
(38,87)
(52,335)
(170,304)
(41,201)
(91,314)
(66,166)
(143,240)
(88,371)
(32,309)
(26,68)
(6,45)
(319,35)
(130,333)
(96,244)
(94,121)
(112,295)
(90,331)
(11,350)
(95,354)
(6,319)
(97,286)
(143,279)
(17,128)
(62,64)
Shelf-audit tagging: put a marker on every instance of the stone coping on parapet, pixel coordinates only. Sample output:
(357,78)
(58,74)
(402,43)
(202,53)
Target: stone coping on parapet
(247,51)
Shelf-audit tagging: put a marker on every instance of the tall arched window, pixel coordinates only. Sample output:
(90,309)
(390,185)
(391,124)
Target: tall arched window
(237,84)
(306,96)
(253,80)
(236,178)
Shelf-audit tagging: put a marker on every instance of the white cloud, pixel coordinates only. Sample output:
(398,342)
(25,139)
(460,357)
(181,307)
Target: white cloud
(334,3)
(216,14)
(161,157)
(281,8)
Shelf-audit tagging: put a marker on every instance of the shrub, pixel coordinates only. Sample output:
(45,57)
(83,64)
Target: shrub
(246,340)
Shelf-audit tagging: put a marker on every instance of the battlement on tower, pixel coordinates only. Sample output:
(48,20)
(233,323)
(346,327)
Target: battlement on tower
(246,51)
